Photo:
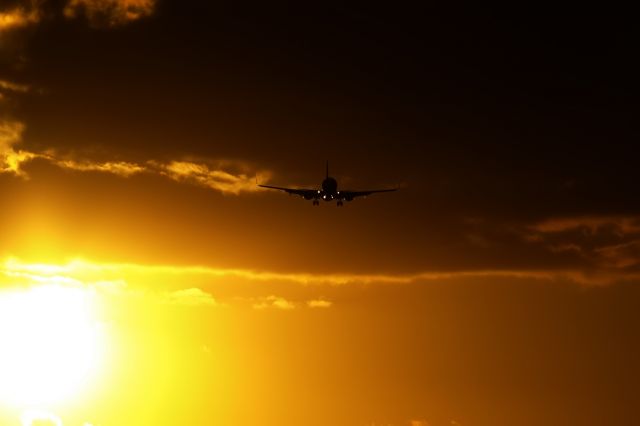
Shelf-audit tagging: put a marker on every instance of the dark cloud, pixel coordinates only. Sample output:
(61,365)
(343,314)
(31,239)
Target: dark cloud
(109,13)
(494,125)
(603,242)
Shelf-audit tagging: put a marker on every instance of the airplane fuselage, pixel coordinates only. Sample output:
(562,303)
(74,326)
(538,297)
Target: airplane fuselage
(329,189)
(328,192)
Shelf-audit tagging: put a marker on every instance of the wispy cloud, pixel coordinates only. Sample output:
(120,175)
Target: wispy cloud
(621,255)
(11,160)
(227,177)
(604,242)
(109,13)
(20,16)
(194,173)
(135,280)
(99,13)
(319,303)
(126,277)
(191,297)
(39,417)
(274,302)
(120,168)
(10,134)
(621,224)
(11,86)
(202,173)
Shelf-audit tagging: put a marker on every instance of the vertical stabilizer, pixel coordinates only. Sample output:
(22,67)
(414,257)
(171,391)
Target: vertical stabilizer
(327,168)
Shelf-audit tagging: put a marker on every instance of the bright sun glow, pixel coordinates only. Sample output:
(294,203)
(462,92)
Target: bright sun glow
(50,341)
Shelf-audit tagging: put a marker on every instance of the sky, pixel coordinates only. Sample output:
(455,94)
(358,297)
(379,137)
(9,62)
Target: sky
(146,279)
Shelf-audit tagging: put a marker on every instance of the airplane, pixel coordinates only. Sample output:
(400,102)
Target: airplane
(329,191)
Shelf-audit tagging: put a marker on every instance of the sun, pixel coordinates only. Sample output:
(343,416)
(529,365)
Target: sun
(51,344)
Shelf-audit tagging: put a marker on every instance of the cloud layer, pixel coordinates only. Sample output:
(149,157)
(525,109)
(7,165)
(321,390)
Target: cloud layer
(99,13)
(608,243)
(20,16)
(109,12)
(206,174)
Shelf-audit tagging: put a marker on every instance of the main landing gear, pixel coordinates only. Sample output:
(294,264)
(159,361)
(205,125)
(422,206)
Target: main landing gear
(317,203)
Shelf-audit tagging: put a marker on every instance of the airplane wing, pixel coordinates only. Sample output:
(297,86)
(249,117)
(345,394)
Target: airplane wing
(305,193)
(350,195)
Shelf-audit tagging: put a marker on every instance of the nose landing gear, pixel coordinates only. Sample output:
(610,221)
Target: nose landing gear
(339,203)
(316,202)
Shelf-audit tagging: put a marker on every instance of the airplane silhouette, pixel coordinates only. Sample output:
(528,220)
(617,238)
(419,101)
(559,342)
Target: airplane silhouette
(329,191)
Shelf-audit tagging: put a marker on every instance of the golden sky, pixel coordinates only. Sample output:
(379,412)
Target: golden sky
(146,280)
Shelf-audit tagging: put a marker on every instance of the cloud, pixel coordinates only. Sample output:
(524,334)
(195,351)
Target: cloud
(99,13)
(319,303)
(274,302)
(109,13)
(191,297)
(10,86)
(227,177)
(118,279)
(39,418)
(592,224)
(206,174)
(20,16)
(604,243)
(119,168)
(194,173)
(202,174)
(10,134)
(11,160)
(89,272)
(620,255)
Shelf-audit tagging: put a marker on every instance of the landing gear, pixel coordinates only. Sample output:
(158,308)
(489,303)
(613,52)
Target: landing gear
(316,202)
(339,203)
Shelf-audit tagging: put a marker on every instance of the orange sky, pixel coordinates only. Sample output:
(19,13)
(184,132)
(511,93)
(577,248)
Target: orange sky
(145,279)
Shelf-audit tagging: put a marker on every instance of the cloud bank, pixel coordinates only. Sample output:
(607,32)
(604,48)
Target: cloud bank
(25,14)
(110,13)
(99,13)
(209,174)
(229,177)
(608,243)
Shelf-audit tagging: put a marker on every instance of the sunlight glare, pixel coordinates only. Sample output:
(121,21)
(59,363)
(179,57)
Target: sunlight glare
(33,417)
(51,343)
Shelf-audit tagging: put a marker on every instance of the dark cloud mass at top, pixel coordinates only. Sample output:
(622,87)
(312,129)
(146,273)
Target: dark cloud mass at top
(495,123)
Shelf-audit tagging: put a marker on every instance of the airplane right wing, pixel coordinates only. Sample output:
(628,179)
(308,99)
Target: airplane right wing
(307,194)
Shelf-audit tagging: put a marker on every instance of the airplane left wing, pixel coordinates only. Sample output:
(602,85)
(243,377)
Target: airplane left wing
(305,193)
(350,195)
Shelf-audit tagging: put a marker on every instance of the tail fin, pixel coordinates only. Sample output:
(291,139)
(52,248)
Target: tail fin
(327,168)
